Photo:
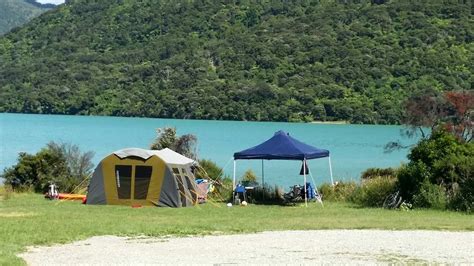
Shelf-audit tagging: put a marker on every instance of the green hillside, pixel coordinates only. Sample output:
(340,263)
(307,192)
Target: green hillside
(239,60)
(14,13)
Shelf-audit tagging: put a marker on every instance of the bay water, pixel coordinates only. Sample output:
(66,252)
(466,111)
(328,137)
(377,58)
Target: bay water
(353,148)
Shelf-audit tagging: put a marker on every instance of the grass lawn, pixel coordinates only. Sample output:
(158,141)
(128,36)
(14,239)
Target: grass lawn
(28,219)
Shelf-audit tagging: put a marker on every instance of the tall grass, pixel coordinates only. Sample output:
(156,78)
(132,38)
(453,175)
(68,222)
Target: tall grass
(6,192)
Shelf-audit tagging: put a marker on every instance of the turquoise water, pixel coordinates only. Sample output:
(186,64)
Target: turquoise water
(353,147)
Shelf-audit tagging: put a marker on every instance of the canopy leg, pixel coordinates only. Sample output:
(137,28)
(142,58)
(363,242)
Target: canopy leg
(305,192)
(330,170)
(263,182)
(233,179)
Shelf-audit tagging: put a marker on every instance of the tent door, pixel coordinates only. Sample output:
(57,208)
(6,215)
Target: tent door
(123,174)
(142,181)
(142,177)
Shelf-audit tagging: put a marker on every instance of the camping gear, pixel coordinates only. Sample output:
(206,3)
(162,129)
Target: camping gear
(136,176)
(297,193)
(304,168)
(283,147)
(52,192)
(203,188)
(310,192)
(240,194)
(68,196)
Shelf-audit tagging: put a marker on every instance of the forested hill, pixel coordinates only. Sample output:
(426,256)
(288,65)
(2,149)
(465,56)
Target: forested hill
(238,60)
(14,13)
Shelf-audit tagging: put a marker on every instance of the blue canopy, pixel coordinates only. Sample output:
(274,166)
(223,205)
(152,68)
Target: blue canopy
(281,147)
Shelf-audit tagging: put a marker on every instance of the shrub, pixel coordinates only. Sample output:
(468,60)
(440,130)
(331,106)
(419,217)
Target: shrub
(62,164)
(440,154)
(378,172)
(166,138)
(373,192)
(462,195)
(223,190)
(6,192)
(79,165)
(341,191)
(430,196)
(249,176)
(209,170)
(439,166)
(410,178)
(267,195)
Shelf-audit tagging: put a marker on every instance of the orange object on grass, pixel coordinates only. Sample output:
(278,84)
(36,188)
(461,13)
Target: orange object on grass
(67,196)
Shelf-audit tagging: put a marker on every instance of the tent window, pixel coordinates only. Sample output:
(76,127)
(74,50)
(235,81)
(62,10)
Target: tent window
(123,175)
(142,181)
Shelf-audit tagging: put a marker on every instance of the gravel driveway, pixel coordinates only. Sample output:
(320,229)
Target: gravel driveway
(280,247)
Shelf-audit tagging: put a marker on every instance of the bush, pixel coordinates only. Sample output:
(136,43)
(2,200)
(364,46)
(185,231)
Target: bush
(441,153)
(223,190)
(6,192)
(249,176)
(410,178)
(462,195)
(166,138)
(62,164)
(378,172)
(430,196)
(439,166)
(339,192)
(208,170)
(373,192)
(266,195)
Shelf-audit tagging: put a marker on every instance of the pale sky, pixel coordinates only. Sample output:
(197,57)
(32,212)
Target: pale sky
(56,2)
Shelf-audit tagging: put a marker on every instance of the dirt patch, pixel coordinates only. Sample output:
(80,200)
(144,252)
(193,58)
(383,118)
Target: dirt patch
(281,247)
(16,214)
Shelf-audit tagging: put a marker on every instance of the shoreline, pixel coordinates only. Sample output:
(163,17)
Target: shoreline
(342,122)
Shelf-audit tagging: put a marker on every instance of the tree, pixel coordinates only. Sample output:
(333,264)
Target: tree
(452,111)
(423,110)
(460,114)
(167,138)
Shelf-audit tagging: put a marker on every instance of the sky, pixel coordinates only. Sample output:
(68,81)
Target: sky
(56,2)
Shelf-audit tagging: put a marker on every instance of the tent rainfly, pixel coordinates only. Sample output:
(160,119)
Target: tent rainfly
(283,147)
(143,177)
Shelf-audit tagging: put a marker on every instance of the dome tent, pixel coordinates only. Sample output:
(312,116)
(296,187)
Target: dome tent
(136,176)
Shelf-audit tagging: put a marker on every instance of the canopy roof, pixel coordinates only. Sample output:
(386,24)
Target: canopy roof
(169,156)
(281,147)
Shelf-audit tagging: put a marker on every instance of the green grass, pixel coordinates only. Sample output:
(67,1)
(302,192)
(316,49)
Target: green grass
(28,219)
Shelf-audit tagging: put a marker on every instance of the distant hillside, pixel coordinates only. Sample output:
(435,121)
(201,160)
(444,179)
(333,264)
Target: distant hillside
(239,60)
(14,13)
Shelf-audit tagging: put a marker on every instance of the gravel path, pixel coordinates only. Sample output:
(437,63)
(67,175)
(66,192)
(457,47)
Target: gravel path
(283,247)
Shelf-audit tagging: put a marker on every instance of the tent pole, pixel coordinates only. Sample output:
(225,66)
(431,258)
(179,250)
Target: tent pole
(330,170)
(233,179)
(305,192)
(263,182)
